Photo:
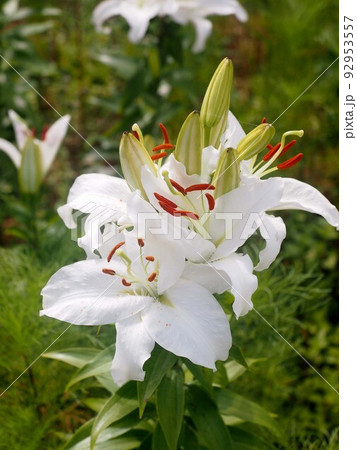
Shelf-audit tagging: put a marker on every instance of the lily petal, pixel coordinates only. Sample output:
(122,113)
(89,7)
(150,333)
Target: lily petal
(275,231)
(234,132)
(244,283)
(237,214)
(133,347)
(214,280)
(189,322)
(22,132)
(104,11)
(82,295)
(11,151)
(54,136)
(299,195)
(98,195)
(203,30)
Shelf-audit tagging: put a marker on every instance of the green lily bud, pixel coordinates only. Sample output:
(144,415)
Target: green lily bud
(227,175)
(217,98)
(133,156)
(255,141)
(30,171)
(188,146)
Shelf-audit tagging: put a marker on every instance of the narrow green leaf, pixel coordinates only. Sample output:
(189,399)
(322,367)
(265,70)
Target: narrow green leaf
(170,405)
(231,404)
(203,376)
(158,439)
(99,365)
(77,357)
(155,368)
(119,405)
(236,354)
(206,417)
(243,440)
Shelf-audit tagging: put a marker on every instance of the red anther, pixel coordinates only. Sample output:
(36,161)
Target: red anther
(113,250)
(152,276)
(136,134)
(163,147)
(44,132)
(211,201)
(271,152)
(164,132)
(269,146)
(189,214)
(167,207)
(163,199)
(158,156)
(290,162)
(125,283)
(141,242)
(178,187)
(108,271)
(150,258)
(264,120)
(287,146)
(200,187)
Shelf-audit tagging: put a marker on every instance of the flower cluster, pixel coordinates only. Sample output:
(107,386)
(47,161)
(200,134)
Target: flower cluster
(138,14)
(161,242)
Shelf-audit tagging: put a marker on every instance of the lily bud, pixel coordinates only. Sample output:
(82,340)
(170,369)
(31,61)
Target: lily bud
(30,171)
(133,156)
(217,98)
(188,146)
(255,141)
(227,175)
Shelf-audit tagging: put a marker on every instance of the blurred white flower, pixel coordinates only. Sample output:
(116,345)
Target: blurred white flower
(138,14)
(33,157)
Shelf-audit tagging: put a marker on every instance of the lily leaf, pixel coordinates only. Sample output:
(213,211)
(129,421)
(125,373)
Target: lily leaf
(155,368)
(77,357)
(232,405)
(119,405)
(170,406)
(207,419)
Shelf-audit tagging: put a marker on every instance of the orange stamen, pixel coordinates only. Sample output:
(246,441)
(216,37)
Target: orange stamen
(290,162)
(150,258)
(287,147)
(167,207)
(159,156)
(163,147)
(178,187)
(269,146)
(113,250)
(136,134)
(152,276)
(164,133)
(264,120)
(108,271)
(141,242)
(200,187)
(211,201)
(165,200)
(125,283)
(189,214)
(271,152)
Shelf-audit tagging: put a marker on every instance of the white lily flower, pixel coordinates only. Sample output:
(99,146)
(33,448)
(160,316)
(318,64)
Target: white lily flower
(138,14)
(48,145)
(183,318)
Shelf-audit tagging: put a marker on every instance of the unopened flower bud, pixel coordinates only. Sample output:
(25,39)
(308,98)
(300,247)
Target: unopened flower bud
(227,175)
(188,146)
(217,98)
(255,141)
(133,157)
(31,171)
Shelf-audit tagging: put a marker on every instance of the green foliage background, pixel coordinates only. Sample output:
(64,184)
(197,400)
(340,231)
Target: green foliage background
(106,83)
